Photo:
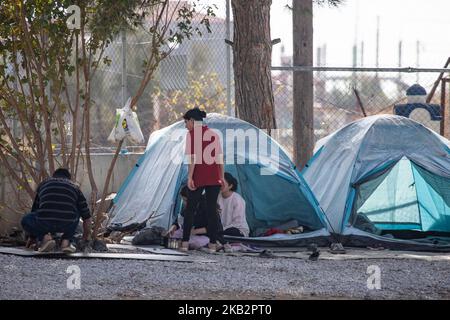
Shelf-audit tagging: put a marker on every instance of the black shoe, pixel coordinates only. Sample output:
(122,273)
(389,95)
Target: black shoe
(314,256)
(267,254)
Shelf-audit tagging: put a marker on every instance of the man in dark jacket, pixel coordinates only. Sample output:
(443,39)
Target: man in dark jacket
(57,208)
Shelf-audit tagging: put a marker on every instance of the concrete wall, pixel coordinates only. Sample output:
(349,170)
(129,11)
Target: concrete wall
(9,195)
(100,164)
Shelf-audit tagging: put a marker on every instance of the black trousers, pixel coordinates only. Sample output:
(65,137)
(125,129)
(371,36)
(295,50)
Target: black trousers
(38,228)
(211,194)
(234,232)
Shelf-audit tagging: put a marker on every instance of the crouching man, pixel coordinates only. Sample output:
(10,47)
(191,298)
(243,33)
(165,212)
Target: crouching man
(57,208)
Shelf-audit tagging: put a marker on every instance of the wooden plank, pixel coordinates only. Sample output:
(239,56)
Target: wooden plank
(436,84)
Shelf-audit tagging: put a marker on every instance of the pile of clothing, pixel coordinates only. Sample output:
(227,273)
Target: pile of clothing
(290,227)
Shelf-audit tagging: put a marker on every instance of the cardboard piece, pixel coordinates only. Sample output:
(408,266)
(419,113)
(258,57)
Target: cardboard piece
(96,255)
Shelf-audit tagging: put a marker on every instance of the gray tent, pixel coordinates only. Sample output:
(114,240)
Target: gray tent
(384,180)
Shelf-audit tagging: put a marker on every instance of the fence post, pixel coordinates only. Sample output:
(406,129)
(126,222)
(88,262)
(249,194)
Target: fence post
(124,74)
(124,67)
(228,57)
(303,91)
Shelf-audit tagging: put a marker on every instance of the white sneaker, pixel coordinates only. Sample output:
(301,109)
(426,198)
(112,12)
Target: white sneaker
(69,249)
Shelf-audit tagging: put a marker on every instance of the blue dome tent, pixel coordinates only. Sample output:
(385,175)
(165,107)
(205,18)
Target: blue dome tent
(384,180)
(274,191)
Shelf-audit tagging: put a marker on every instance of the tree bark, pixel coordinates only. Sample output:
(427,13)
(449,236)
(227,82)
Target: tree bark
(87,104)
(101,207)
(303,115)
(252,53)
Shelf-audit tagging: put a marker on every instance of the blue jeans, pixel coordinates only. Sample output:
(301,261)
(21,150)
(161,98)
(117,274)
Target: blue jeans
(38,228)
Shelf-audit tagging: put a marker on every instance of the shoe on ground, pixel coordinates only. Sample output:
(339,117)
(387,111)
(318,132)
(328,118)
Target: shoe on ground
(314,256)
(47,246)
(208,250)
(337,248)
(227,248)
(267,254)
(69,249)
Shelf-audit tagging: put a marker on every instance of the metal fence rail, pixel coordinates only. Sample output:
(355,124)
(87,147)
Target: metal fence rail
(343,95)
(199,73)
(360,69)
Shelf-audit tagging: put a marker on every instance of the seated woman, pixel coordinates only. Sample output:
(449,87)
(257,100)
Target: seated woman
(232,209)
(198,237)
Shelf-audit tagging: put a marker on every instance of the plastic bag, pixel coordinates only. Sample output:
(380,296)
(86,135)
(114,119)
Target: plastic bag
(126,126)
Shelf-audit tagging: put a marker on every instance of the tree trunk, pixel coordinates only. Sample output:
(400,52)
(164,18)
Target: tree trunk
(252,53)
(303,118)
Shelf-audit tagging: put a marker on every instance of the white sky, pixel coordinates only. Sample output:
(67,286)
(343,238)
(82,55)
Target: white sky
(407,20)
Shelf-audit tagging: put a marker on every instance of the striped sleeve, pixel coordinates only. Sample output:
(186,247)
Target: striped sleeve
(82,205)
(36,201)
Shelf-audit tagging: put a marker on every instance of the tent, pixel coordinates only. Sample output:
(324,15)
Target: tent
(274,191)
(384,180)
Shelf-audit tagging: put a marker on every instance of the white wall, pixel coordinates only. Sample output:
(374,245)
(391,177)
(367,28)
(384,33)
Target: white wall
(100,165)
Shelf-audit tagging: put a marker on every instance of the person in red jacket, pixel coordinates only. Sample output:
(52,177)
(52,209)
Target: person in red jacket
(206,173)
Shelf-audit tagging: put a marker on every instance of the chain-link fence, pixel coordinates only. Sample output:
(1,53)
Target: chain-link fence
(197,73)
(343,95)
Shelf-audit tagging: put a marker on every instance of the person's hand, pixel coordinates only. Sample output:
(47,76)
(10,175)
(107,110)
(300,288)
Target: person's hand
(171,230)
(191,184)
(31,243)
(193,232)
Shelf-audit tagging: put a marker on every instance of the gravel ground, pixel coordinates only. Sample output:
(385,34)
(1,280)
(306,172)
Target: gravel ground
(230,278)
